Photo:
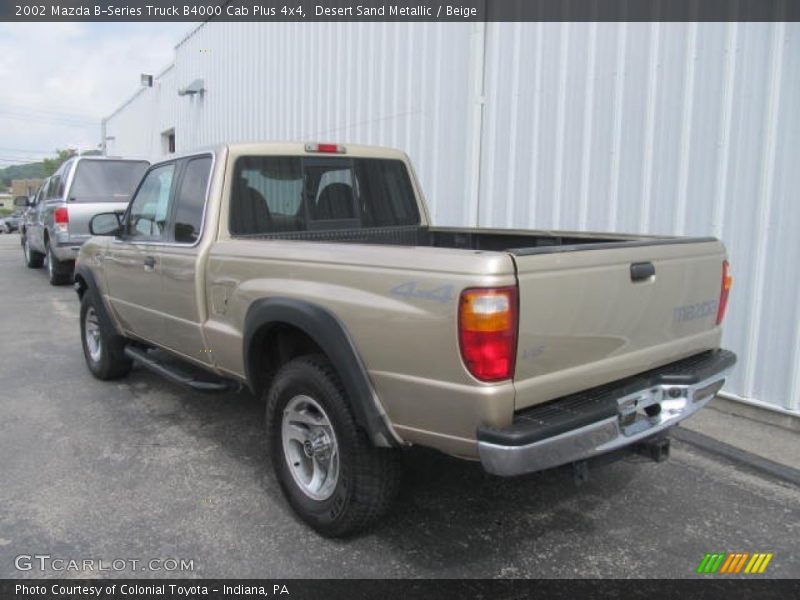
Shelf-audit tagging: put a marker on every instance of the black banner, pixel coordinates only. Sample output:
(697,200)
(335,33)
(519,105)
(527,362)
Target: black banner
(364,589)
(413,10)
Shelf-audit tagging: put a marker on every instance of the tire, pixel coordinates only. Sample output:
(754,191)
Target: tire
(58,273)
(359,481)
(103,348)
(33,259)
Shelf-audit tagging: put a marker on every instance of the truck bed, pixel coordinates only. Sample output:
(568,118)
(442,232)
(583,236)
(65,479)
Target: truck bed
(518,243)
(588,316)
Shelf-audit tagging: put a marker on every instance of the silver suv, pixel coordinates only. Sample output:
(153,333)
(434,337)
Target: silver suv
(57,222)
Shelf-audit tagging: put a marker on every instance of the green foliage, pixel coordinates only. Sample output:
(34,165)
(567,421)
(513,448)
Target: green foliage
(50,165)
(29,171)
(37,170)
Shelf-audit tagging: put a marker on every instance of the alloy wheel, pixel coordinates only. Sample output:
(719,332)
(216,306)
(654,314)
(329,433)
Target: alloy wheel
(310,447)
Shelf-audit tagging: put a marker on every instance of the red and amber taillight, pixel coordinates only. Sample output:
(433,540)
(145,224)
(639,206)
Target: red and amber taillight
(487,332)
(724,292)
(61,219)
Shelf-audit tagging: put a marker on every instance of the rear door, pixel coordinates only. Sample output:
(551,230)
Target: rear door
(42,216)
(29,214)
(592,316)
(133,260)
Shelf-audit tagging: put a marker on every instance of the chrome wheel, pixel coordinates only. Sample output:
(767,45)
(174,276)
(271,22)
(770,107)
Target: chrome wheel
(91,326)
(310,447)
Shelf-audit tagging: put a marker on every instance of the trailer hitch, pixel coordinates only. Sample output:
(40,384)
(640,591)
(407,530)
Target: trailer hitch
(655,449)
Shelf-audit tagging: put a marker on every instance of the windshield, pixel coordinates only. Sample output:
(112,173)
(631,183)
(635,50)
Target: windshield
(106,180)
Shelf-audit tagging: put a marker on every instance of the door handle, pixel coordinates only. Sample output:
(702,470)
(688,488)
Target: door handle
(149,263)
(642,271)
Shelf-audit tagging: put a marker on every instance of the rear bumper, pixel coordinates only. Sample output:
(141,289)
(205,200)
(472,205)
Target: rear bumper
(604,419)
(67,250)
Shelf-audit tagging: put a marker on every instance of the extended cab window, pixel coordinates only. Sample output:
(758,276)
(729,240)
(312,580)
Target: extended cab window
(190,200)
(283,194)
(148,212)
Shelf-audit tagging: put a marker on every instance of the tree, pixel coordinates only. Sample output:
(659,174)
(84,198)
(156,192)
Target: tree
(51,164)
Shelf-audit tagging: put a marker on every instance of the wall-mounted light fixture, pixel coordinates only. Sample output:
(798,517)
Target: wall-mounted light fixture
(146,80)
(196,87)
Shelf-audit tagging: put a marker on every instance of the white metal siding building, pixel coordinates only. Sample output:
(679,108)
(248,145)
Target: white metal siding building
(669,128)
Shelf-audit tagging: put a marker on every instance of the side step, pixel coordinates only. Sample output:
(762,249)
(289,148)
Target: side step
(186,375)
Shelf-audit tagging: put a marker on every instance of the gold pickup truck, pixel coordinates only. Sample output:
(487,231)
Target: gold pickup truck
(311,274)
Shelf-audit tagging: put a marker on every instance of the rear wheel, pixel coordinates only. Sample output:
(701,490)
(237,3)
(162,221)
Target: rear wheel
(103,348)
(33,259)
(331,474)
(58,272)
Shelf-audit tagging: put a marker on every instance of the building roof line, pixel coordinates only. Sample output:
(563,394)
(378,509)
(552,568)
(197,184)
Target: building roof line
(190,34)
(140,91)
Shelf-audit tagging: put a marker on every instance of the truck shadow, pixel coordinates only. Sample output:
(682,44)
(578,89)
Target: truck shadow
(449,512)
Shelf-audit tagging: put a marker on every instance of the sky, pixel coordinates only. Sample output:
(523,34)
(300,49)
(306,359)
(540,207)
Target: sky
(61,79)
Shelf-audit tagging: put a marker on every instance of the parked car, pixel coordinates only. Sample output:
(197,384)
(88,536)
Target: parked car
(10,223)
(58,221)
(313,276)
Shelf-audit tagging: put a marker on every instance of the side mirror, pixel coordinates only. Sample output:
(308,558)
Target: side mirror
(105,224)
(22,201)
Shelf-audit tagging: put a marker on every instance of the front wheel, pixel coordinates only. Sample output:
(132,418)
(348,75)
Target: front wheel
(103,348)
(329,471)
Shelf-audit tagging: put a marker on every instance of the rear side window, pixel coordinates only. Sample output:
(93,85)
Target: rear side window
(267,195)
(55,189)
(286,194)
(191,200)
(385,193)
(106,180)
(331,194)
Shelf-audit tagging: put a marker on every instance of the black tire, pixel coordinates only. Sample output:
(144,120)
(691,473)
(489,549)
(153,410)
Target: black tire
(33,259)
(58,272)
(368,477)
(110,362)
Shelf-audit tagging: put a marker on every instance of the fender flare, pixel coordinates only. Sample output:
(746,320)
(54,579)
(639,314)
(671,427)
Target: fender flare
(331,336)
(82,272)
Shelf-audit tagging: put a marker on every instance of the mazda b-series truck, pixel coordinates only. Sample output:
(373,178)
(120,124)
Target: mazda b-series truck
(312,275)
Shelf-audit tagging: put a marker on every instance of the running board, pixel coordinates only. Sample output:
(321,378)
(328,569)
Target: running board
(213,385)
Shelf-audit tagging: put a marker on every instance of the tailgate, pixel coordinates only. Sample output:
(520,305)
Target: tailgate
(588,316)
(81,212)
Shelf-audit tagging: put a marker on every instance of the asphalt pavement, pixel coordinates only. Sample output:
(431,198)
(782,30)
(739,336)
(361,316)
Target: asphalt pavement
(141,470)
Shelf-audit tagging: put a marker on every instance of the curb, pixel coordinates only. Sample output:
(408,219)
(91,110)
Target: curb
(738,455)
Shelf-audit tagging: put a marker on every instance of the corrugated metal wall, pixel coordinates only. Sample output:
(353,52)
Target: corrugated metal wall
(635,127)
(136,127)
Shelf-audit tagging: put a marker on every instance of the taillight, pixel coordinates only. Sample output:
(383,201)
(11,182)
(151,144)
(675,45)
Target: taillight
(487,332)
(61,218)
(724,291)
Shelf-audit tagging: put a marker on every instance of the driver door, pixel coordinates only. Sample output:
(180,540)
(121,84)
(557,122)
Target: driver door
(133,260)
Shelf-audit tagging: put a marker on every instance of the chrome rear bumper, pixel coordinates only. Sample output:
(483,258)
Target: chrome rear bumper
(667,396)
